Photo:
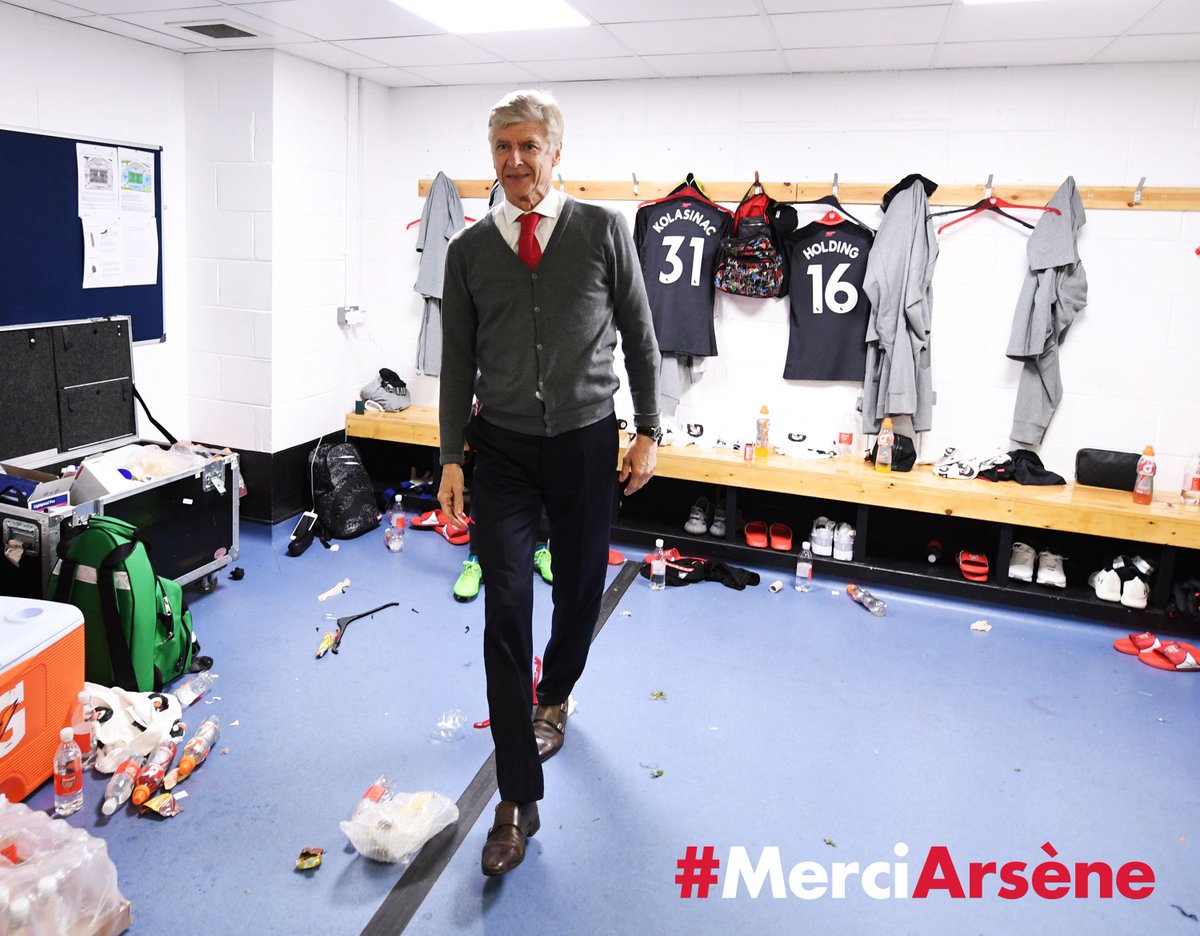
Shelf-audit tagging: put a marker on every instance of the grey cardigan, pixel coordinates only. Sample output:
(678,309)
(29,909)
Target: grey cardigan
(537,346)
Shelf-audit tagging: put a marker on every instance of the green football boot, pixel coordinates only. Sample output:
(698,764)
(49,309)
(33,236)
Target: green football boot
(467,586)
(541,563)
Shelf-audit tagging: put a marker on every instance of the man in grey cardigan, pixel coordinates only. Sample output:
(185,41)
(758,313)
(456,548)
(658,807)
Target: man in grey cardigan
(535,295)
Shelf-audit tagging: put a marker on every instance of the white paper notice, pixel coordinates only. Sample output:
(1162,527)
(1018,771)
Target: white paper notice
(97,179)
(139,250)
(136,182)
(101,252)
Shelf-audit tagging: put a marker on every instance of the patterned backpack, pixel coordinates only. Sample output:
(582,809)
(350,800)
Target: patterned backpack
(749,263)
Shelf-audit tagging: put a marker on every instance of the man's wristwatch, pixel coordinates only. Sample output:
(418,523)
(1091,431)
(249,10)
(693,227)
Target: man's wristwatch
(654,432)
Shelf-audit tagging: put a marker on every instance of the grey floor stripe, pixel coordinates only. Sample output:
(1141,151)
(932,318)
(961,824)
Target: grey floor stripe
(402,903)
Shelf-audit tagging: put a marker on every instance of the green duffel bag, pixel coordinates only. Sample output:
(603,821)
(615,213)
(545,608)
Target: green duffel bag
(138,629)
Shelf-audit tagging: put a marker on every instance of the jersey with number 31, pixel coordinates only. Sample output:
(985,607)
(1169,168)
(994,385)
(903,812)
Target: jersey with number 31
(829,308)
(677,240)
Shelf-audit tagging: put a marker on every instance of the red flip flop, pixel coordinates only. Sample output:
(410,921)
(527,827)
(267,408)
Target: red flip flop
(615,558)
(1137,644)
(973,566)
(430,520)
(756,534)
(455,535)
(781,537)
(1176,655)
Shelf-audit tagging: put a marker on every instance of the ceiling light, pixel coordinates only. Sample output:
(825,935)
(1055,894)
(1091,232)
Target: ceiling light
(481,16)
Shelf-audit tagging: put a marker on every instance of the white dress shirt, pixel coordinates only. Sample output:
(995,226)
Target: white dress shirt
(508,218)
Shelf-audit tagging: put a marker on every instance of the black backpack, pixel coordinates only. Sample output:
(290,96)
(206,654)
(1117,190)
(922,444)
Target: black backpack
(343,498)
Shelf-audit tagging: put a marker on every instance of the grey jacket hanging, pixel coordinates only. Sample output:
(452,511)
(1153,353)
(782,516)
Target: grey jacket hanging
(898,379)
(440,219)
(1054,292)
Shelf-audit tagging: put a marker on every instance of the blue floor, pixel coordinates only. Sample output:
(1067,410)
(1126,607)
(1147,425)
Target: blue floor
(792,726)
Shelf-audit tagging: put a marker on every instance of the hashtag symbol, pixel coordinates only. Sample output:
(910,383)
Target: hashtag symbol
(698,871)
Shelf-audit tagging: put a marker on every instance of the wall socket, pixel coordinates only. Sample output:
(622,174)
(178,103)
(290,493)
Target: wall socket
(351,315)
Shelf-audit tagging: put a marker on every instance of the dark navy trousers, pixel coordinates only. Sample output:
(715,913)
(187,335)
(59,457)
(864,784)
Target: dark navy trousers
(572,476)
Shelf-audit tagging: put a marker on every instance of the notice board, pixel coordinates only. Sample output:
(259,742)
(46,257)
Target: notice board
(41,239)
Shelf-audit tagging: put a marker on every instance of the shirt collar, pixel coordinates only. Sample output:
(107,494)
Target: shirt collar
(549,207)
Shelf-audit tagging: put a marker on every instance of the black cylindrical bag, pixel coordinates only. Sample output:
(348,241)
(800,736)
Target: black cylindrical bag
(1107,469)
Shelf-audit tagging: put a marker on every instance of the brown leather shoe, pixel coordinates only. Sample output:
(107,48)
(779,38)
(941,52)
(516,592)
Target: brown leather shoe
(505,845)
(549,729)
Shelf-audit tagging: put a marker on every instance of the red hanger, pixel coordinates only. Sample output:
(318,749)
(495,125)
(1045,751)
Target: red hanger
(412,224)
(993,203)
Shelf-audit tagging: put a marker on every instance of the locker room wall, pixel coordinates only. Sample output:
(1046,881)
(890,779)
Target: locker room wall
(1127,362)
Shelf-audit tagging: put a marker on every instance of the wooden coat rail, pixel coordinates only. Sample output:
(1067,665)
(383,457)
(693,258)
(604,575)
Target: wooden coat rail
(861,193)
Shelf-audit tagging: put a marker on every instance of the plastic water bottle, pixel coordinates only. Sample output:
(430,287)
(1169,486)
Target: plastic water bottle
(762,433)
(380,791)
(49,911)
(199,745)
(658,567)
(83,726)
(68,774)
(1143,487)
(393,529)
(933,551)
(120,786)
(195,687)
(150,777)
(845,439)
(1190,491)
(20,917)
(884,445)
(804,568)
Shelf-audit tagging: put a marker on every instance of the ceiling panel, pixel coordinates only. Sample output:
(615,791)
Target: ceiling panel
(599,69)
(1171,16)
(420,50)
(329,54)
(168,21)
(487,73)
(1022,52)
(362,19)
(636,11)
(391,77)
(833,6)
(162,40)
(860,28)
(728,34)
(869,58)
(545,44)
(1181,48)
(1057,19)
(720,63)
(108,7)
(50,7)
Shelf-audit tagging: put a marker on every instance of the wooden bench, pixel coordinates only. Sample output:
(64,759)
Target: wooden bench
(1070,508)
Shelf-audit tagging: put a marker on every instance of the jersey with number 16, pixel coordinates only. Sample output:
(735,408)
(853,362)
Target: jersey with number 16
(677,240)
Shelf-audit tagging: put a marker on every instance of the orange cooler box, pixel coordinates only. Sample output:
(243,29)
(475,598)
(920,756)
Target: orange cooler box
(41,673)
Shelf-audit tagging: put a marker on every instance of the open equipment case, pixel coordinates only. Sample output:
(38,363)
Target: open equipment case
(67,392)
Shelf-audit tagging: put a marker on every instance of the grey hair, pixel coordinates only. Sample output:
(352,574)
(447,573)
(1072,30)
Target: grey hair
(528,106)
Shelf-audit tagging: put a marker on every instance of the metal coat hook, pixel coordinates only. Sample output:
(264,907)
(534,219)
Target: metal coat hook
(1137,193)
(987,189)
(835,185)
(562,186)
(635,185)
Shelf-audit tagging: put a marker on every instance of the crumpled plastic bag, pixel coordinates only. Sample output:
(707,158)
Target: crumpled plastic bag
(396,829)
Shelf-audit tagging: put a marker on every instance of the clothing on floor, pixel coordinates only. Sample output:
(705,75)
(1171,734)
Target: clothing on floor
(685,570)
(441,217)
(898,379)
(1054,292)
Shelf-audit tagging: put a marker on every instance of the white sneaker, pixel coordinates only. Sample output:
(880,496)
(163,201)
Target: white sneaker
(697,521)
(843,542)
(1107,584)
(717,527)
(1050,570)
(1020,564)
(822,537)
(1135,593)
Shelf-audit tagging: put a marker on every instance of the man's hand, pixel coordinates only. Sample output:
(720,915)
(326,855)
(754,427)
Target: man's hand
(450,494)
(638,463)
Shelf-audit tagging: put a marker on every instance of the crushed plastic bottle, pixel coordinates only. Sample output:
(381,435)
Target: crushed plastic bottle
(875,605)
(380,791)
(195,687)
(150,777)
(120,786)
(199,745)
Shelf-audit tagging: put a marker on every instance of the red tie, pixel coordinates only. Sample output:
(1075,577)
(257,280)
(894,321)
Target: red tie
(528,248)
